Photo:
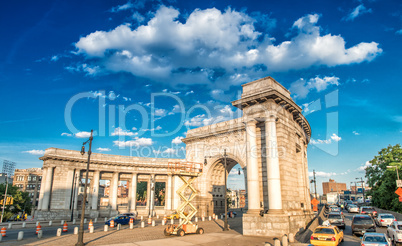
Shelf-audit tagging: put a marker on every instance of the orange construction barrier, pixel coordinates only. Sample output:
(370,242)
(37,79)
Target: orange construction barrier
(164,219)
(213,216)
(38,228)
(3,232)
(111,223)
(131,221)
(65,227)
(149,221)
(90,225)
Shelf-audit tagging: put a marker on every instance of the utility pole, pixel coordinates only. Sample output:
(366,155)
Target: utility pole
(315,185)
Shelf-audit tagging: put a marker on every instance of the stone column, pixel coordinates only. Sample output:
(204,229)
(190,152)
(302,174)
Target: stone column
(48,189)
(148,195)
(69,186)
(95,190)
(253,186)
(152,195)
(42,188)
(133,193)
(77,187)
(114,187)
(168,199)
(274,176)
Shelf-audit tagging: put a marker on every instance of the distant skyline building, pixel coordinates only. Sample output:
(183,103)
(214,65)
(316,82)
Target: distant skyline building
(29,180)
(333,186)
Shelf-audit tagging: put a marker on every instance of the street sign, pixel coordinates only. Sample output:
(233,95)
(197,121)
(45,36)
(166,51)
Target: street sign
(400,198)
(399,191)
(399,183)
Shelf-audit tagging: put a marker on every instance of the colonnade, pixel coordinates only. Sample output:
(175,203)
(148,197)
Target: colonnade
(72,184)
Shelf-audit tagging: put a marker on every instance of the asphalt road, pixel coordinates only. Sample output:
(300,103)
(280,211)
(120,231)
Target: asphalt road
(349,239)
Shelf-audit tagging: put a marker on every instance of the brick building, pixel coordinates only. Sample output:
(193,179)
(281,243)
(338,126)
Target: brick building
(29,180)
(333,186)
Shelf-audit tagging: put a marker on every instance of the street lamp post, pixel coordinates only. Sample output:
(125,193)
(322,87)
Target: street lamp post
(73,200)
(80,241)
(225,227)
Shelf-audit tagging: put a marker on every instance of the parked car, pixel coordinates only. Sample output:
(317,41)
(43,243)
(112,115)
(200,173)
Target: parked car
(375,239)
(394,231)
(337,219)
(119,219)
(353,208)
(131,215)
(368,210)
(326,235)
(362,223)
(234,214)
(175,215)
(384,219)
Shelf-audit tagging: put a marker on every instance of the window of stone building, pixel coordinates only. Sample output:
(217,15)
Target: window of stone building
(142,197)
(38,186)
(103,193)
(160,194)
(34,178)
(29,178)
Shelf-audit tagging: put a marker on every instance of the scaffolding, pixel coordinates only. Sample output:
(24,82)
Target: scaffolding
(187,172)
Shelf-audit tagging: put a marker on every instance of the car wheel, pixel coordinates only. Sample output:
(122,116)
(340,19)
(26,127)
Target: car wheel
(200,231)
(181,233)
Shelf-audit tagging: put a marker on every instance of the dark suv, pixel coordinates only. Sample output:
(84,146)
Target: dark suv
(337,219)
(362,224)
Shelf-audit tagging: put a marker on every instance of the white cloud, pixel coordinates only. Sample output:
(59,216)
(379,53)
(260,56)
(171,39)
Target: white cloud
(120,132)
(177,140)
(34,152)
(359,10)
(333,138)
(301,88)
(356,133)
(103,149)
(399,32)
(213,46)
(82,134)
(363,167)
(119,8)
(169,151)
(89,70)
(152,129)
(160,112)
(67,134)
(322,174)
(137,142)
(189,92)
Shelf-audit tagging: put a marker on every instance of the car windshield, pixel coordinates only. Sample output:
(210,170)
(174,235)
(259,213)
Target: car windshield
(324,231)
(334,216)
(352,206)
(379,239)
(387,216)
(399,227)
(362,221)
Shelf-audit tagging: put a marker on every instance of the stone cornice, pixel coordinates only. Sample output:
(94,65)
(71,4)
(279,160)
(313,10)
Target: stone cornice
(105,159)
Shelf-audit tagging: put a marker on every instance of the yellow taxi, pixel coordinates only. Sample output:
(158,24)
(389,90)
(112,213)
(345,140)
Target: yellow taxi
(175,216)
(327,235)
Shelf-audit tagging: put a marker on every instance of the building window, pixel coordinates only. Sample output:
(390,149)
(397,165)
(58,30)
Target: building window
(20,178)
(29,178)
(34,178)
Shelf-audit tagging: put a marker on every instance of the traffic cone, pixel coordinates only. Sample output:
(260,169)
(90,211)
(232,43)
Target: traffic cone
(149,221)
(38,228)
(111,223)
(164,219)
(3,231)
(213,216)
(65,227)
(131,221)
(91,224)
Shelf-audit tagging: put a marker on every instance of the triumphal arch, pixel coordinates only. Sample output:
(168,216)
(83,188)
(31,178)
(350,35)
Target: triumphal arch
(269,142)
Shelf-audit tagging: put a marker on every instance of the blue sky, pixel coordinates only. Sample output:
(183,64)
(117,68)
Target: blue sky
(70,66)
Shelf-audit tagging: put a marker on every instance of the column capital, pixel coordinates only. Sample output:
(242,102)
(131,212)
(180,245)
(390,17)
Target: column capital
(271,118)
(250,121)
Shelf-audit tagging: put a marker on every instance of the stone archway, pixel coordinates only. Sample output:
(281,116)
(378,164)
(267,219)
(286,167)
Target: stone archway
(270,142)
(217,181)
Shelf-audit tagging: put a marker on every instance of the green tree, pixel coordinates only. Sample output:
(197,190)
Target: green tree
(382,179)
(21,203)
